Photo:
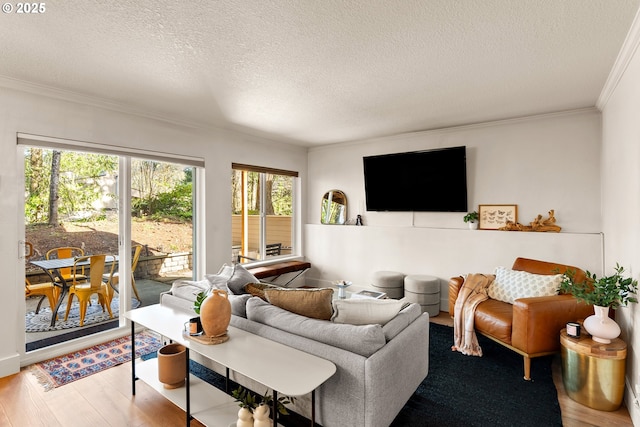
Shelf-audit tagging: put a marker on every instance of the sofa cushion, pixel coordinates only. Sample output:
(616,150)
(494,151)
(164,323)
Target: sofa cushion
(239,304)
(239,278)
(257,289)
(314,303)
(365,311)
(360,339)
(510,285)
(494,318)
(396,325)
(189,289)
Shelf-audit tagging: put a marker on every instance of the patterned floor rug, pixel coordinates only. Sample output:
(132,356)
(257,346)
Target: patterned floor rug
(62,370)
(41,322)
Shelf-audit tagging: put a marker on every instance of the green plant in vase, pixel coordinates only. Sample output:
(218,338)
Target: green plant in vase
(247,402)
(603,293)
(267,399)
(200,297)
(471,218)
(261,412)
(608,291)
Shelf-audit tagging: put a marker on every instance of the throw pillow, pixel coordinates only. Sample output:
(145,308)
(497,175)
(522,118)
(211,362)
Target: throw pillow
(217,282)
(509,285)
(365,311)
(240,277)
(220,279)
(188,289)
(257,289)
(313,303)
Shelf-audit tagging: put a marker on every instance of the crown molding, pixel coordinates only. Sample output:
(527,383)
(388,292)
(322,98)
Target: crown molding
(458,128)
(626,54)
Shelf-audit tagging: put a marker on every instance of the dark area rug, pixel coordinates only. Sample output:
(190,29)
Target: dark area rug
(481,391)
(464,390)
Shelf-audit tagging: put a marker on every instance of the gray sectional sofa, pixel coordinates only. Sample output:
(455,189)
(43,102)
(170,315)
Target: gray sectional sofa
(378,367)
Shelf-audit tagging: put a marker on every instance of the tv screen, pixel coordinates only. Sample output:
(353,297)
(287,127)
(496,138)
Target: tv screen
(420,181)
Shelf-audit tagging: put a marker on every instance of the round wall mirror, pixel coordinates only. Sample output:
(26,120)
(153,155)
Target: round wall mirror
(334,208)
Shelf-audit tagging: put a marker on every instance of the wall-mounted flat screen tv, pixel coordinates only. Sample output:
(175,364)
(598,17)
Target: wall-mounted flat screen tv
(419,181)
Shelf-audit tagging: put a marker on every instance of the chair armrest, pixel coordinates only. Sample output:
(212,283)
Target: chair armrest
(455,283)
(537,322)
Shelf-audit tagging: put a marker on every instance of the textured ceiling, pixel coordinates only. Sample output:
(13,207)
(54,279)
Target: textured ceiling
(319,72)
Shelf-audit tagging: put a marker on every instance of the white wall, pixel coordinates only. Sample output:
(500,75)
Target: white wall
(354,253)
(38,115)
(621,194)
(539,163)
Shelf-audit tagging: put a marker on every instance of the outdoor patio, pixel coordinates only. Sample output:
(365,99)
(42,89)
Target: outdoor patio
(148,289)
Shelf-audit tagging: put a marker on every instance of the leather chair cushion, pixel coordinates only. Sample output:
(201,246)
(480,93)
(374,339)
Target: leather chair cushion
(494,318)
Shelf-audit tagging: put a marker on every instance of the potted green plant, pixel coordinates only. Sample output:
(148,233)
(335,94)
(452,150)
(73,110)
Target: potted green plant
(254,411)
(261,412)
(200,297)
(195,324)
(471,219)
(247,402)
(603,293)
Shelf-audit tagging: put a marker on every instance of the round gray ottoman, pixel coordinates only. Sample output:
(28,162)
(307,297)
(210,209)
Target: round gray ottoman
(424,290)
(389,282)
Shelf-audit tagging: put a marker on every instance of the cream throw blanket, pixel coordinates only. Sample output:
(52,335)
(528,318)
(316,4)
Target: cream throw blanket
(472,292)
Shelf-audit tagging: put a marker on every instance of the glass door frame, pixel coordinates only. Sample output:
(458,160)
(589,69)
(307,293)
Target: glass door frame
(124,226)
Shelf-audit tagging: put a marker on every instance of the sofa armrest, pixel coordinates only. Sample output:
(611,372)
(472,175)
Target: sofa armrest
(537,322)
(394,372)
(455,283)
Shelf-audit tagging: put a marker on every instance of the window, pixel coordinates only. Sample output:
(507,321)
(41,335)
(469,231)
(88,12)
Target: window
(262,209)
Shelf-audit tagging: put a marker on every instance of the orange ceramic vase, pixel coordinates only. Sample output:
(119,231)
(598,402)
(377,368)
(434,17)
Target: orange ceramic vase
(215,313)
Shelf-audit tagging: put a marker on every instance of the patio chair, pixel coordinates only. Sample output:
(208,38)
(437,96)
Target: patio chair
(95,285)
(113,279)
(44,290)
(271,249)
(68,252)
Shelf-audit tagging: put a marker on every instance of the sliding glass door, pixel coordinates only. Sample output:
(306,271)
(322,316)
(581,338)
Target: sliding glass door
(137,211)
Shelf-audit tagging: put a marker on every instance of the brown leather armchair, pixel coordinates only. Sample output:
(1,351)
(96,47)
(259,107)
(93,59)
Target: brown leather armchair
(531,326)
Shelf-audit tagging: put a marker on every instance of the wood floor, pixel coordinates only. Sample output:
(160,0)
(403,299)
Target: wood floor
(104,399)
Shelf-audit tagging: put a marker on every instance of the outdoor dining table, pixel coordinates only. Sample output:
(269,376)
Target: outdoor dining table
(52,268)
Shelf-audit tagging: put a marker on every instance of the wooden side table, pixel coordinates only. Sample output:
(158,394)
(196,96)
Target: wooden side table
(592,372)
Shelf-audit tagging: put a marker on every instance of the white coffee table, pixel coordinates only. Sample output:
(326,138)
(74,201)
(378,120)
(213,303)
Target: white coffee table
(283,369)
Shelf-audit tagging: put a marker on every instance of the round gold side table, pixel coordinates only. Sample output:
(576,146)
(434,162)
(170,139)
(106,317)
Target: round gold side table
(592,372)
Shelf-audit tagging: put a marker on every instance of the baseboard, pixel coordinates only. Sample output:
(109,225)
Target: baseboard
(10,365)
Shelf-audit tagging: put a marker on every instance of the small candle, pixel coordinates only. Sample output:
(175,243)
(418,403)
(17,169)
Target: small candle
(573,329)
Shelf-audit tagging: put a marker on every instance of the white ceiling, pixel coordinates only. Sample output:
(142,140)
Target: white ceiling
(316,72)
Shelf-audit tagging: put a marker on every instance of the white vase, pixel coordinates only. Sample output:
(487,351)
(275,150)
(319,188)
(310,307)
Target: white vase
(473,225)
(601,327)
(261,417)
(245,418)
